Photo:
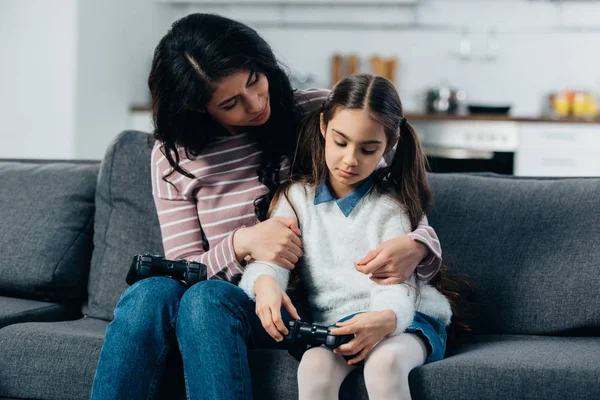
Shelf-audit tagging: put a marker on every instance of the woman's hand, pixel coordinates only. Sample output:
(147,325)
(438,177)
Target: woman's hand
(394,261)
(269,299)
(369,329)
(276,240)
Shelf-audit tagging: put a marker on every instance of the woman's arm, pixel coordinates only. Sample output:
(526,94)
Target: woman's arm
(182,238)
(426,235)
(395,260)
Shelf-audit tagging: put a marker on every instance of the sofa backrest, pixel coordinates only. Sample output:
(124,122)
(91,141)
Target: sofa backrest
(126,220)
(46,228)
(531,246)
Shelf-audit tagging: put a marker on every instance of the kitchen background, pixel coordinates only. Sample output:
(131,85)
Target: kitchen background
(73,73)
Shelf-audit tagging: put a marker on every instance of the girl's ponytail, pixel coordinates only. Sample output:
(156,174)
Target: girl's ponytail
(308,162)
(407,174)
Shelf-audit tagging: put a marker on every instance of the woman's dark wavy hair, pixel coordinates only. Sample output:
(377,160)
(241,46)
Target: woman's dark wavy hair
(199,50)
(405,179)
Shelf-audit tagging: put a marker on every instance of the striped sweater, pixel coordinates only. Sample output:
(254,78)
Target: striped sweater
(220,200)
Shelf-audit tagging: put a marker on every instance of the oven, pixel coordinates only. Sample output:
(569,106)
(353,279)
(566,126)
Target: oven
(467,145)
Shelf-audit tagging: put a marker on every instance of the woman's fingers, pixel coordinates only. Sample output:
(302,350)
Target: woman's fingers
(290,223)
(282,262)
(369,257)
(290,256)
(376,263)
(387,281)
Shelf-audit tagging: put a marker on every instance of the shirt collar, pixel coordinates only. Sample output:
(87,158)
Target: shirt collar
(347,203)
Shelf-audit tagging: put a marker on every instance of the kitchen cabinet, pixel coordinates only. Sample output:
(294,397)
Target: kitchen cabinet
(293,2)
(558,149)
(541,149)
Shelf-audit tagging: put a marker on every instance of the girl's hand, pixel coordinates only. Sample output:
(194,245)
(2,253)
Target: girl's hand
(275,240)
(394,261)
(369,329)
(269,299)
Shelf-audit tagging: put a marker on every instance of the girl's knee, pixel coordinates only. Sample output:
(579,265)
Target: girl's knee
(383,363)
(316,365)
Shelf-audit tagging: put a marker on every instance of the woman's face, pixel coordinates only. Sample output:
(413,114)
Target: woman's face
(241,99)
(354,145)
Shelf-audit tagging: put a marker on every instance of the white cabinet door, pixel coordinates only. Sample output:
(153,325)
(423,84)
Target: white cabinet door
(295,2)
(558,149)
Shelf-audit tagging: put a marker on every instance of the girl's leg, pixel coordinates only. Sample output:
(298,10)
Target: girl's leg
(132,359)
(217,323)
(387,366)
(321,373)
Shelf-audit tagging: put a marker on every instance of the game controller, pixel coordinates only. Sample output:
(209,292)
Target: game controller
(304,334)
(146,266)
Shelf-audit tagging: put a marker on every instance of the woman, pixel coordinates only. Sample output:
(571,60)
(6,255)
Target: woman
(226,122)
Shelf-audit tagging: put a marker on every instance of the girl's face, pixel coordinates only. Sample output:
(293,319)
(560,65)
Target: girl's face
(241,99)
(354,145)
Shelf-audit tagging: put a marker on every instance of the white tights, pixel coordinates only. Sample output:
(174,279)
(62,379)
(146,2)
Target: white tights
(321,372)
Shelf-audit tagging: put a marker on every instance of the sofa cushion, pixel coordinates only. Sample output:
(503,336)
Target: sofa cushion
(14,310)
(514,367)
(46,228)
(126,220)
(58,360)
(530,247)
(52,360)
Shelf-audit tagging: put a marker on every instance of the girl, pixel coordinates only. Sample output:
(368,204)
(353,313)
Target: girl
(344,207)
(226,119)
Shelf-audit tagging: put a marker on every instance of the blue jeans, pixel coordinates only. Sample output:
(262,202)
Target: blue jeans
(213,323)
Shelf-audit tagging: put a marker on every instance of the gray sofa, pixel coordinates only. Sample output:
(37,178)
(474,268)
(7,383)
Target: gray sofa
(532,247)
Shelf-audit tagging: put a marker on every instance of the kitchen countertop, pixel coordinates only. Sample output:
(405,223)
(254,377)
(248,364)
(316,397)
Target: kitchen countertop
(424,117)
(482,117)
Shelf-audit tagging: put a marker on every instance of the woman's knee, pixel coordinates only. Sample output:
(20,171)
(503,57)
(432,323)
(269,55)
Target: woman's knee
(151,299)
(209,300)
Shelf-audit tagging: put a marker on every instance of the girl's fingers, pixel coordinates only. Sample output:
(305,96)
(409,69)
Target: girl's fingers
(277,321)
(350,348)
(287,304)
(361,356)
(267,323)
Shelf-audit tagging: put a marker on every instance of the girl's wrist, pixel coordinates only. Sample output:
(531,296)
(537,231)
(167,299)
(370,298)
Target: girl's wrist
(390,317)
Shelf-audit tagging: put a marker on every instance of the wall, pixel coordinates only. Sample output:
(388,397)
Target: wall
(37,78)
(75,67)
(541,46)
(114,53)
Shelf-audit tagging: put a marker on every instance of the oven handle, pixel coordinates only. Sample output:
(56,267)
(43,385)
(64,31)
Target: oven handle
(458,154)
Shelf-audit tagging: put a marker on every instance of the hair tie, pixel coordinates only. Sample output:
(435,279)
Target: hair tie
(403,121)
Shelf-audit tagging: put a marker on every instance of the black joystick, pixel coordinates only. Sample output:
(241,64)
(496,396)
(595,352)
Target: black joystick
(304,334)
(146,266)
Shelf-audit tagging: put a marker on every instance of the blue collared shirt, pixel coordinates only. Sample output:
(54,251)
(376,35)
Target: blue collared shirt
(348,202)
